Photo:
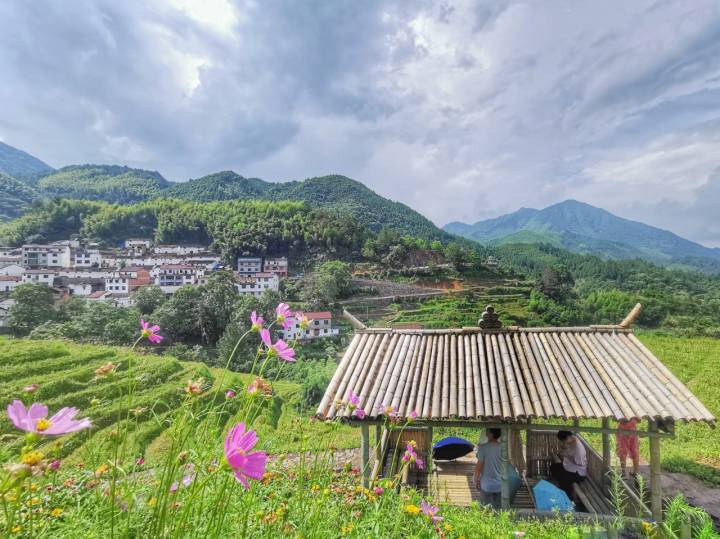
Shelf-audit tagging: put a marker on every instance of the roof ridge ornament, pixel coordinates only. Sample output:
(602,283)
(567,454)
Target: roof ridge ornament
(489,319)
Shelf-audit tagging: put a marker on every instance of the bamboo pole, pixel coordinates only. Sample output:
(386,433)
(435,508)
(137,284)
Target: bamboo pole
(655,475)
(378,443)
(606,447)
(632,316)
(365,444)
(505,469)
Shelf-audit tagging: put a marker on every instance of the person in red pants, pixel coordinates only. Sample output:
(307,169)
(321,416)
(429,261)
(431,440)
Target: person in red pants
(628,445)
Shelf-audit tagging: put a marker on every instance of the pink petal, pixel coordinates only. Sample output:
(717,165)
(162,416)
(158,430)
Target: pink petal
(265,336)
(248,441)
(37,411)
(232,436)
(242,480)
(255,465)
(155,329)
(143,324)
(17,414)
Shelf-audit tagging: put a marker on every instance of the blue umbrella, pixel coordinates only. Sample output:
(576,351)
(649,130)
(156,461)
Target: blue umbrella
(451,448)
(549,497)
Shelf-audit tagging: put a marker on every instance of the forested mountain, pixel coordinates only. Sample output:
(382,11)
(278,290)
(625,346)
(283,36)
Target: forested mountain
(19,164)
(15,197)
(338,194)
(231,227)
(111,183)
(583,228)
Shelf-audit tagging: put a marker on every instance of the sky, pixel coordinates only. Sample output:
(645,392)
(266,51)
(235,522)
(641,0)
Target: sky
(462,110)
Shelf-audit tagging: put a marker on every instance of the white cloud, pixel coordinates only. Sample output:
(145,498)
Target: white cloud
(463,110)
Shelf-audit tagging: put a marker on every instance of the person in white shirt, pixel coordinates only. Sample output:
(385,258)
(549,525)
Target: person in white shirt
(570,465)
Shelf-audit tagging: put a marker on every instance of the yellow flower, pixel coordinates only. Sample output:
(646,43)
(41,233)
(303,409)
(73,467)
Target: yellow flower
(447,527)
(411,509)
(34,487)
(152,502)
(347,528)
(32,458)
(103,468)
(16,529)
(34,501)
(56,512)
(315,487)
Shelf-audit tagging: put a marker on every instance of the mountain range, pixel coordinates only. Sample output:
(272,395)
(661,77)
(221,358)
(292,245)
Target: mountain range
(582,228)
(572,225)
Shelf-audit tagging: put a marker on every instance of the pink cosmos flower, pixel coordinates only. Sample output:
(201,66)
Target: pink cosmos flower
(411,457)
(378,490)
(303,320)
(389,411)
(54,465)
(230,394)
(360,413)
(431,511)
(245,465)
(146,330)
(32,388)
(186,481)
(140,461)
(353,400)
(280,348)
(256,321)
(35,419)
(413,415)
(284,315)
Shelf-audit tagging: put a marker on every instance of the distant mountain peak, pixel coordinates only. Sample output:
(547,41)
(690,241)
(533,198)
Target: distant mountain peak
(20,164)
(582,227)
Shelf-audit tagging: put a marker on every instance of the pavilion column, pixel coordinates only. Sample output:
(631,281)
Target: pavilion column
(365,451)
(378,443)
(429,464)
(655,474)
(505,468)
(606,448)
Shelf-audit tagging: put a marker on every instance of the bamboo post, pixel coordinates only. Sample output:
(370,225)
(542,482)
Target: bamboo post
(429,464)
(378,442)
(365,444)
(655,475)
(606,447)
(505,477)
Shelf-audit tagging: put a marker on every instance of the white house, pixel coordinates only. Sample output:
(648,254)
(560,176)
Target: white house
(10,255)
(86,258)
(248,265)
(13,270)
(56,255)
(138,246)
(8,283)
(117,284)
(42,276)
(170,277)
(320,326)
(179,249)
(256,284)
(79,286)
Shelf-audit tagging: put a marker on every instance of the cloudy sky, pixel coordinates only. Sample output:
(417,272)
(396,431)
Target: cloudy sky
(463,110)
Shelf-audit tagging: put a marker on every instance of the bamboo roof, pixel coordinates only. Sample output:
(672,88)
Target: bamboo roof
(508,374)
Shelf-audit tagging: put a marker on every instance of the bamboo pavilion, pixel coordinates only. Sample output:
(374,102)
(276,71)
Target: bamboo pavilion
(534,381)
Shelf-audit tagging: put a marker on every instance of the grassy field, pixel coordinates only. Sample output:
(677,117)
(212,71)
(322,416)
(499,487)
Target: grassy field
(696,362)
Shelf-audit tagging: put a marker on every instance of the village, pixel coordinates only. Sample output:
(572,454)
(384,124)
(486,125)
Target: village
(71,268)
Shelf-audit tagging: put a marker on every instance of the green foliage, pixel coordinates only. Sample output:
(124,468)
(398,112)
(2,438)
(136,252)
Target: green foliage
(331,281)
(19,164)
(148,298)
(15,197)
(110,183)
(34,305)
(336,194)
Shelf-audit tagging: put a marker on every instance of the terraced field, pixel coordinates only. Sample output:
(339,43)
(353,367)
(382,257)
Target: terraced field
(65,374)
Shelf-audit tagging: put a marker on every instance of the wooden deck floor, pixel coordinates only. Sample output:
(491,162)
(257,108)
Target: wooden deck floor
(452,482)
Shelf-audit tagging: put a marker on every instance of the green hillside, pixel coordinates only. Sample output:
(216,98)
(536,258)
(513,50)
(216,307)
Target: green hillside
(583,228)
(110,183)
(65,374)
(335,193)
(20,164)
(15,197)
